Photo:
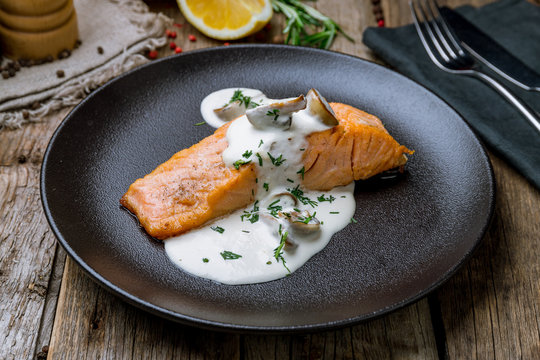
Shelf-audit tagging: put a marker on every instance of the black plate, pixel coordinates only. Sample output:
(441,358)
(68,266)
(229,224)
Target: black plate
(412,233)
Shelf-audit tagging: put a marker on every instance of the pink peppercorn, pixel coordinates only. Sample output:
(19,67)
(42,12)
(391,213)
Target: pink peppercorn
(226,44)
(153,54)
(380,23)
(178,25)
(192,38)
(178,50)
(172,34)
(172,45)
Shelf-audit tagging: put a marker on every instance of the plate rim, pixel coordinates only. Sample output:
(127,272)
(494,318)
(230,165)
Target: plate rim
(256,329)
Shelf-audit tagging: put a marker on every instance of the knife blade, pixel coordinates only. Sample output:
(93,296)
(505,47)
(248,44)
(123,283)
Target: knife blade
(491,53)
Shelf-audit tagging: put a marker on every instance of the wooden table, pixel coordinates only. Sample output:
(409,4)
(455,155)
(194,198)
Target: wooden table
(48,306)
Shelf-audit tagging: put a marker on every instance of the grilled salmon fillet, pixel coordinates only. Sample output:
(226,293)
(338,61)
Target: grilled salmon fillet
(194,185)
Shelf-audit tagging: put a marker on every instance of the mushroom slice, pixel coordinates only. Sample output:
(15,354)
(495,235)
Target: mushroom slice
(303,222)
(230,111)
(277,114)
(319,107)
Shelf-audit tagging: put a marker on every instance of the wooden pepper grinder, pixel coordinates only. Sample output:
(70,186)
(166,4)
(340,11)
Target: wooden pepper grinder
(37,29)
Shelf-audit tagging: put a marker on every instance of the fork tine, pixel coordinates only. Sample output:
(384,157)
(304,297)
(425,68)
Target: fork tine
(428,4)
(423,38)
(446,28)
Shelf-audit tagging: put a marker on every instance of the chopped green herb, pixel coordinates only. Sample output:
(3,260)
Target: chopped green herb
(205,260)
(262,142)
(200,123)
(239,163)
(268,263)
(274,113)
(260,158)
(253,215)
(329,199)
(343,196)
(306,26)
(289,180)
(256,180)
(306,219)
(247,232)
(246,100)
(302,149)
(265,186)
(301,172)
(228,255)
(247,154)
(219,229)
(274,208)
(299,194)
(276,161)
(354,221)
(297,210)
(334,212)
(278,252)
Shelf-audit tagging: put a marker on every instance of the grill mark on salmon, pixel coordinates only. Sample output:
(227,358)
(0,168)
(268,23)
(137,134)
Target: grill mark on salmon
(195,186)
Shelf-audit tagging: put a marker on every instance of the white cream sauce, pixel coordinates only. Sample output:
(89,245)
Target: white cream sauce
(234,250)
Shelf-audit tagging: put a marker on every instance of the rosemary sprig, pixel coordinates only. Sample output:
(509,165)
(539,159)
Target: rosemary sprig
(300,18)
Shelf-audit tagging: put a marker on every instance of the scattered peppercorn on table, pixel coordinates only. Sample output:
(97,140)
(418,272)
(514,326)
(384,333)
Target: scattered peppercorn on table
(51,309)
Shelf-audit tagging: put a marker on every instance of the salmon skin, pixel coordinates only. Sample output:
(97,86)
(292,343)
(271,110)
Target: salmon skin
(195,186)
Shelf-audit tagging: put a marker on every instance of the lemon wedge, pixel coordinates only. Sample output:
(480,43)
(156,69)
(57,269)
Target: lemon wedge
(227,19)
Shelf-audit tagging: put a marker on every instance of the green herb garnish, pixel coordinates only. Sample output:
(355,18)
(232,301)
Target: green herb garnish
(239,163)
(247,154)
(329,199)
(260,144)
(253,215)
(354,221)
(278,252)
(301,172)
(246,100)
(200,123)
(260,158)
(334,212)
(273,113)
(205,260)
(276,161)
(228,255)
(274,208)
(299,194)
(265,186)
(219,229)
(306,219)
(300,18)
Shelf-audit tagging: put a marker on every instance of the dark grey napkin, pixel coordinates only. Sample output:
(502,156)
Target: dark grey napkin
(515,24)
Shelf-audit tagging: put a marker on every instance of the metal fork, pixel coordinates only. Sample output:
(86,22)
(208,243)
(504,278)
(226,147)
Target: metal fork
(447,54)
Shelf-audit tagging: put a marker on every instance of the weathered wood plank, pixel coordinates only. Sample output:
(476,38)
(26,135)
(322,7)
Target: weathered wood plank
(491,308)
(27,247)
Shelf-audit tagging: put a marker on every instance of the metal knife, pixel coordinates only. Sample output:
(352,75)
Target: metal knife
(488,51)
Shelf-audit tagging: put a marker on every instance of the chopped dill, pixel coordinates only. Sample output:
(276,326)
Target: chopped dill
(276,161)
(239,163)
(246,100)
(260,158)
(228,255)
(274,113)
(301,172)
(299,194)
(219,229)
(329,198)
